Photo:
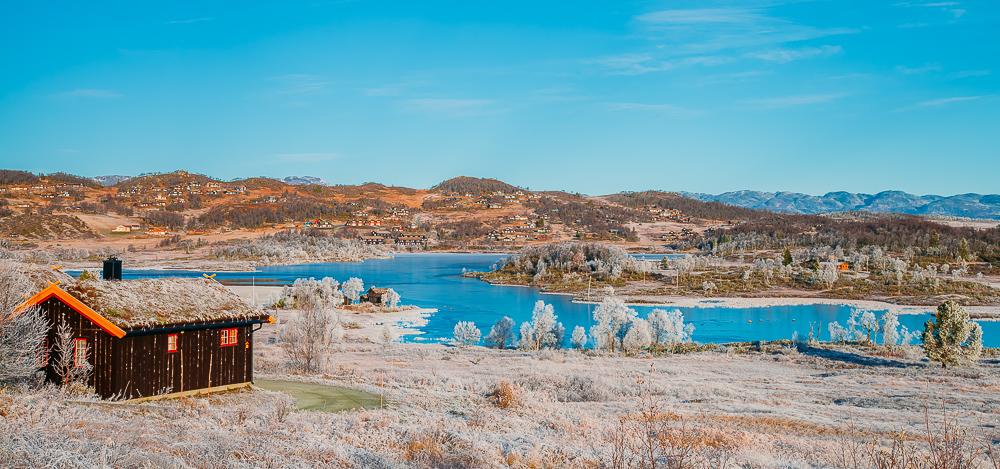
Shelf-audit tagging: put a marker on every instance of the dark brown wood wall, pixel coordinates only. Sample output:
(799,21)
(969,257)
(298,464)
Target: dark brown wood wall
(145,368)
(139,366)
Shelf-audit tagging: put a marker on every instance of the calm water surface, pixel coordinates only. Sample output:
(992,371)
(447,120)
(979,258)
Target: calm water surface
(435,281)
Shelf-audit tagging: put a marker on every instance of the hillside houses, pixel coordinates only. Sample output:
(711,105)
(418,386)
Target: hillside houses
(395,238)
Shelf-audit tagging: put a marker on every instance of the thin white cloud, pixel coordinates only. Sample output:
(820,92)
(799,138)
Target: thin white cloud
(450,106)
(779,102)
(791,55)
(919,70)
(200,19)
(298,84)
(946,101)
(658,108)
(971,73)
(713,36)
(95,93)
(638,64)
(952,8)
(700,16)
(306,157)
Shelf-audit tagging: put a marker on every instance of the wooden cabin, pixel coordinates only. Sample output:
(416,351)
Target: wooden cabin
(150,337)
(375,296)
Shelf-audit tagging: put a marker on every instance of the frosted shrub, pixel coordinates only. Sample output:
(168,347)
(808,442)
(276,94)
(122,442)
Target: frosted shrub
(837,332)
(466,333)
(668,328)
(20,336)
(952,339)
(506,395)
(638,336)
(611,318)
(501,334)
(579,338)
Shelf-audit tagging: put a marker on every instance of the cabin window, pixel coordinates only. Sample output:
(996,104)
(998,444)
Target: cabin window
(171,343)
(80,352)
(229,337)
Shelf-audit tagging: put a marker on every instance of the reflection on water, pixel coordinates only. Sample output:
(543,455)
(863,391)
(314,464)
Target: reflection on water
(435,281)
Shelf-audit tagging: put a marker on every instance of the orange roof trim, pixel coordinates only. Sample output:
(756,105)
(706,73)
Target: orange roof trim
(53,290)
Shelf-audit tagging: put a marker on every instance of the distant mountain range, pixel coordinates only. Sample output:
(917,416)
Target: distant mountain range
(963,205)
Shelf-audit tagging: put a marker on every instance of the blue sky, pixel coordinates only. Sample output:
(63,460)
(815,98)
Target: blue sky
(594,97)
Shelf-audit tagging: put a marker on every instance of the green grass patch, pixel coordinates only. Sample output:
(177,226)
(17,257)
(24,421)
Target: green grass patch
(323,398)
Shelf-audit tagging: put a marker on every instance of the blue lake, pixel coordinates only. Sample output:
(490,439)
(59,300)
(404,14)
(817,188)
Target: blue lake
(435,281)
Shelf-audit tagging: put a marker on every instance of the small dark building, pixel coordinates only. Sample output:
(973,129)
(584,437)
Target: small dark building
(375,296)
(150,337)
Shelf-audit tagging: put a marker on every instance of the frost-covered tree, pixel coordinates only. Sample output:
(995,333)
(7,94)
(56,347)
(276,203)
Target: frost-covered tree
(853,323)
(579,338)
(544,330)
(352,288)
(308,338)
(611,317)
(501,334)
(391,298)
(952,338)
(466,333)
(668,328)
(838,333)
(638,336)
(870,326)
(21,335)
(890,329)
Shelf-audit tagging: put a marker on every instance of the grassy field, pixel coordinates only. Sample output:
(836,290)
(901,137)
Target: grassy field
(309,396)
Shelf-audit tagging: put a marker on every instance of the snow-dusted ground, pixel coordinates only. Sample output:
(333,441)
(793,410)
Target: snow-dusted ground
(774,408)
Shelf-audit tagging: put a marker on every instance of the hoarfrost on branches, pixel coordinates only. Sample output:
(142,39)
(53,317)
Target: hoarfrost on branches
(638,336)
(352,288)
(611,318)
(298,247)
(501,334)
(668,328)
(391,298)
(543,331)
(21,335)
(466,333)
(579,338)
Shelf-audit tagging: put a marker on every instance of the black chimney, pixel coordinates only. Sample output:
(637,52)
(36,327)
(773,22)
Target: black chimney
(112,268)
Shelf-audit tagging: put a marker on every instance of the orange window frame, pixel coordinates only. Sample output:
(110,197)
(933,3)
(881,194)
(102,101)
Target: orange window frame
(172,343)
(229,337)
(80,349)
